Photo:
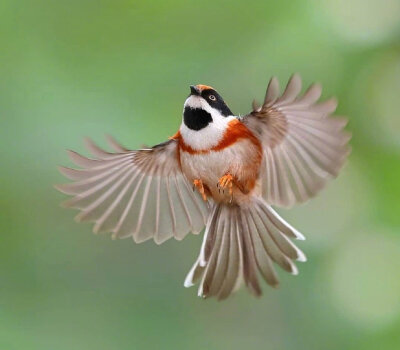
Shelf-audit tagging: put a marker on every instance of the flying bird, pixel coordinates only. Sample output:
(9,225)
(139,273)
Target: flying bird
(222,172)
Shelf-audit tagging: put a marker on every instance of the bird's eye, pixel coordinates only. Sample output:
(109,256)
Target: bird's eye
(212,97)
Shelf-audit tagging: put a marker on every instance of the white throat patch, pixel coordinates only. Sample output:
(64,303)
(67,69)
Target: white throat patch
(209,136)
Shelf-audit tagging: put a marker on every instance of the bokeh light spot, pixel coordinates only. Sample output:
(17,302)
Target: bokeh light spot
(376,94)
(326,218)
(364,279)
(386,100)
(364,22)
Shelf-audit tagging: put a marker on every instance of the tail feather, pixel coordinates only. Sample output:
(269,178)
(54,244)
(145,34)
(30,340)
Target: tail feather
(215,272)
(263,260)
(232,278)
(241,242)
(214,277)
(249,261)
(272,249)
(198,267)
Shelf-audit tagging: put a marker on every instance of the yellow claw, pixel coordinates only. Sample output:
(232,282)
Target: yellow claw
(199,185)
(226,181)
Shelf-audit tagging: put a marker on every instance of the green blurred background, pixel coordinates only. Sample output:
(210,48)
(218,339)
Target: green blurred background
(70,69)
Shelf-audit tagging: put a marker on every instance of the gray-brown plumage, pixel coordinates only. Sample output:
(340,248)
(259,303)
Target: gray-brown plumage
(142,194)
(303,146)
(281,153)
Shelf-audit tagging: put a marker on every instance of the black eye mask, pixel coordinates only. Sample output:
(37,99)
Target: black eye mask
(218,103)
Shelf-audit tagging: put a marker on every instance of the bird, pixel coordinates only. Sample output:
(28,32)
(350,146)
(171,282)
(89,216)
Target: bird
(222,172)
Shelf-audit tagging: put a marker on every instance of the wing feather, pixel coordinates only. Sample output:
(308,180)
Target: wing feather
(312,95)
(303,145)
(293,88)
(272,92)
(116,146)
(141,194)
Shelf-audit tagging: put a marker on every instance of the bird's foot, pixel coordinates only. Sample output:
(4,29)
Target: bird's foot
(197,183)
(224,182)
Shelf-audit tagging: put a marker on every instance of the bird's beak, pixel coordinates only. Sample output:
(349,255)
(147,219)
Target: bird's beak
(194,90)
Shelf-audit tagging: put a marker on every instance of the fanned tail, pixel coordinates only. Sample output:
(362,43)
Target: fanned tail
(240,243)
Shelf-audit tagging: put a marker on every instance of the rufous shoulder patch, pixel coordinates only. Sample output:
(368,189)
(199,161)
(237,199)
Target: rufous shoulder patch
(176,136)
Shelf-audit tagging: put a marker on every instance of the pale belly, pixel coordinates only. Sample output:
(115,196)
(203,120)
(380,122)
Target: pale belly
(240,160)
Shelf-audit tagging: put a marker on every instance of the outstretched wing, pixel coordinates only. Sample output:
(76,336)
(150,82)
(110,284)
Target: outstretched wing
(303,145)
(140,193)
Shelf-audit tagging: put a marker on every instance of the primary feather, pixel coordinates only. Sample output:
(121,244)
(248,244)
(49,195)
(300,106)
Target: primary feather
(303,145)
(141,194)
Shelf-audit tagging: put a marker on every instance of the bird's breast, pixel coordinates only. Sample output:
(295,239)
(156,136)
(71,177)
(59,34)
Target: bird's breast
(215,139)
(238,153)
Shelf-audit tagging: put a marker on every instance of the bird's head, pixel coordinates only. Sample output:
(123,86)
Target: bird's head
(204,106)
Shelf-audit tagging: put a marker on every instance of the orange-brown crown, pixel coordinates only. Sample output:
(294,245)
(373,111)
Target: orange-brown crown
(201,87)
